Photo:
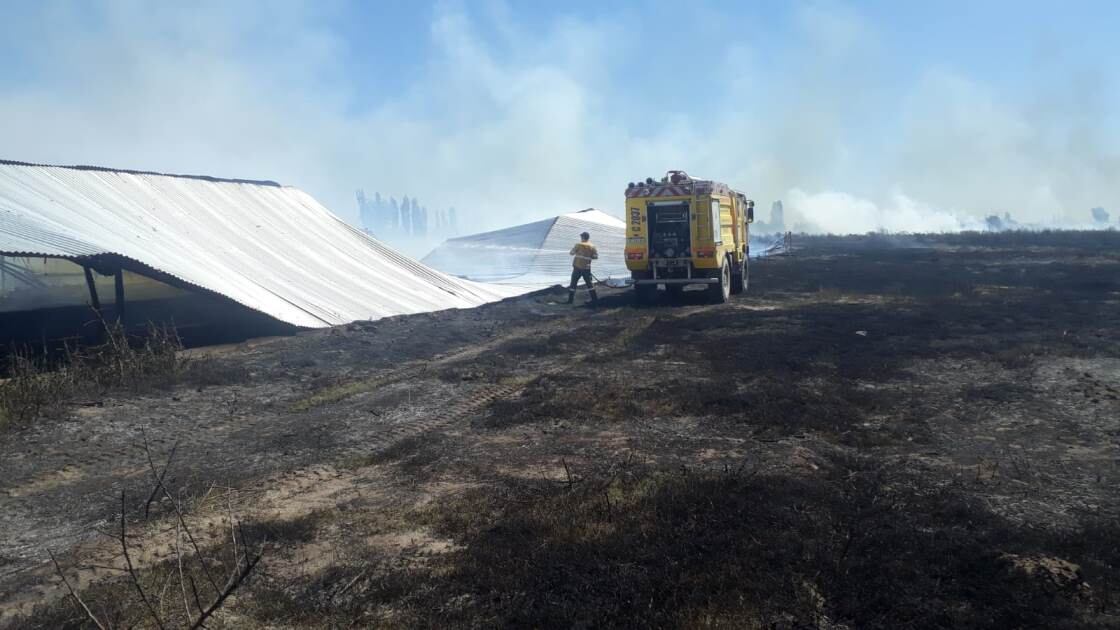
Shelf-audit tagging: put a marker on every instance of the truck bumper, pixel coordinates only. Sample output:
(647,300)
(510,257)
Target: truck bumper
(678,281)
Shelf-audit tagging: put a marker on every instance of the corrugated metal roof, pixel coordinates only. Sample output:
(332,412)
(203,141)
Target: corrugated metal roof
(271,248)
(205,178)
(534,253)
(21,235)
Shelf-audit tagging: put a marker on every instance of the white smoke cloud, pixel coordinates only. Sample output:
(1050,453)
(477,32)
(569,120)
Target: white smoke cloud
(511,122)
(963,145)
(841,213)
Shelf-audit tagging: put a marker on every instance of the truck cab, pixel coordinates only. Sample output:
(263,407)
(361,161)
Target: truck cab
(682,231)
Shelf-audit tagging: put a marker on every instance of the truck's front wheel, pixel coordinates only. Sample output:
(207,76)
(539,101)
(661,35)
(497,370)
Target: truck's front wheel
(721,291)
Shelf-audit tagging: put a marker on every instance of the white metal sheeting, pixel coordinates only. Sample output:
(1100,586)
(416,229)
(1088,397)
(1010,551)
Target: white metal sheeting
(271,248)
(534,253)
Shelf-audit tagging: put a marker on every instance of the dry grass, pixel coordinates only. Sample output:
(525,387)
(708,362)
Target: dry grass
(36,388)
(28,391)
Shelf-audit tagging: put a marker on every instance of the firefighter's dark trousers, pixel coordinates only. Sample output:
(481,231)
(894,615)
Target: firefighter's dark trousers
(586,275)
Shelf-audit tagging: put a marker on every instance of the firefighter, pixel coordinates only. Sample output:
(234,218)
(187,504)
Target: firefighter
(582,254)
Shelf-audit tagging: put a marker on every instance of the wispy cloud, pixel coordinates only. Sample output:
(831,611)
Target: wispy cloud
(512,121)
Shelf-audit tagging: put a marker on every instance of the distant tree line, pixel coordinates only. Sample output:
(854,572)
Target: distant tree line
(777,221)
(995,223)
(389,218)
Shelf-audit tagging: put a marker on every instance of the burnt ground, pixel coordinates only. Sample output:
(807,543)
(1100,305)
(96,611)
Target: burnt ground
(883,433)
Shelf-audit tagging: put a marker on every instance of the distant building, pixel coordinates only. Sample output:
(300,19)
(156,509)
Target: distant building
(534,253)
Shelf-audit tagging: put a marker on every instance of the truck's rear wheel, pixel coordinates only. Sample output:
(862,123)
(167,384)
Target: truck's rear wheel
(645,293)
(721,291)
(740,280)
(737,280)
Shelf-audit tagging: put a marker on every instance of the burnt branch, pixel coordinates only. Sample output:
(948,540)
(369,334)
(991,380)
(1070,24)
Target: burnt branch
(89,613)
(135,579)
(163,473)
(234,582)
(160,486)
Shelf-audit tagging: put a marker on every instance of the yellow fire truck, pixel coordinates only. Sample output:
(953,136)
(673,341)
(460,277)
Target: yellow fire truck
(682,231)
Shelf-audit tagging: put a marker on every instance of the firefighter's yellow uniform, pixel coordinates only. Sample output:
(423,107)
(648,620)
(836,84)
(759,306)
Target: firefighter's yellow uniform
(582,255)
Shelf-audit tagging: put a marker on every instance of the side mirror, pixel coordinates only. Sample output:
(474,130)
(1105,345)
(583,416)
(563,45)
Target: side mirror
(750,214)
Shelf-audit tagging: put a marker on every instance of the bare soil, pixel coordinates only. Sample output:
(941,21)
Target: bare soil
(882,433)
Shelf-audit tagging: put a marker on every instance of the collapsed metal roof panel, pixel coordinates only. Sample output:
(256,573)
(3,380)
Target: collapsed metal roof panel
(272,248)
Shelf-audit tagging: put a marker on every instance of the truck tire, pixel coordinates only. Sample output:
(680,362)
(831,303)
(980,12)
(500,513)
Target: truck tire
(719,292)
(645,293)
(740,282)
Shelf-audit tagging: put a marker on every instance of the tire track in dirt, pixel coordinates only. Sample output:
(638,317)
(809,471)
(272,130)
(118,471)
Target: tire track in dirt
(305,486)
(291,494)
(130,460)
(57,466)
(285,496)
(411,370)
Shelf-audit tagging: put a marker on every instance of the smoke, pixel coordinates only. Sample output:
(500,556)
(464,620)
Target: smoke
(841,213)
(512,118)
(1046,158)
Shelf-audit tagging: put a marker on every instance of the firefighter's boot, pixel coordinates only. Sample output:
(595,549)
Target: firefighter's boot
(594,297)
(571,296)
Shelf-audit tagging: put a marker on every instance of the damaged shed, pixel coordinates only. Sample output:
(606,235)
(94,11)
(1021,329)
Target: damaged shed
(151,246)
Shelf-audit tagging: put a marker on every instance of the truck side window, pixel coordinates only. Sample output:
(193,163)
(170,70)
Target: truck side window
(716,224)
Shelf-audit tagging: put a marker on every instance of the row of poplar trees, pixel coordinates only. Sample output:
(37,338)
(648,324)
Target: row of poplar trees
(388,217)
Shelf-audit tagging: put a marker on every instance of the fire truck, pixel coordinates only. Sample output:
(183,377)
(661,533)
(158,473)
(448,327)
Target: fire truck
(682,231)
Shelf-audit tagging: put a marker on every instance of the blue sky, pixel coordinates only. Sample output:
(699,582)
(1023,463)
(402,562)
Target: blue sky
(902,115)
